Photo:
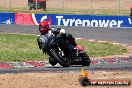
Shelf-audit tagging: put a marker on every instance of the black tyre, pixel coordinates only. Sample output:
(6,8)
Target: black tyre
(84,81)
(62,60)
(86,60)
(52,61)
(86,63)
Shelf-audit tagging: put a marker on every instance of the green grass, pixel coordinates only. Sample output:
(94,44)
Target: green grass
(69,11)
(96,49)
(16,47)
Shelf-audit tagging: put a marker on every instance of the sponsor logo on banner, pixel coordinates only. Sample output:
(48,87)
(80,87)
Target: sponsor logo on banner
(73,20)
(7,18)
(83,20)
(42,18)
(91,23)
(130,21)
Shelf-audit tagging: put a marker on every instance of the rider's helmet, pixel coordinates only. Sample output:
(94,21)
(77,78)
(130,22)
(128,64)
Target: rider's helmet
(44,27)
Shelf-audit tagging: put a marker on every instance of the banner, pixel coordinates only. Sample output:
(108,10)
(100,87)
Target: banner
(7,18)
(84,20)
(23,18)
(66,20)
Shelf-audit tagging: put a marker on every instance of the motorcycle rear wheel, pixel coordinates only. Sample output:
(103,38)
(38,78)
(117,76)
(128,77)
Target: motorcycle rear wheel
(86,59)
(86,62)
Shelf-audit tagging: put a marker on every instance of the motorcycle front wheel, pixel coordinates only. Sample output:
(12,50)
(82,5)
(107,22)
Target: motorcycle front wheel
(52,61)
(61,57)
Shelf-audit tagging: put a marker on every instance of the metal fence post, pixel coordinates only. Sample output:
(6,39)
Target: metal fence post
(91,5)
(9,3)
(36,4)
(119,7)
(62,3)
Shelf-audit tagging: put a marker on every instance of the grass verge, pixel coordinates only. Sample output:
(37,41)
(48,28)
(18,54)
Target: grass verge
(106,12)
(16,47)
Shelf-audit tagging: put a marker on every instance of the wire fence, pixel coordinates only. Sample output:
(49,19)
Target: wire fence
(115,7)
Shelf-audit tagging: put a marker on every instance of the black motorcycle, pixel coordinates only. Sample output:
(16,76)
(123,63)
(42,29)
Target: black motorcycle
(61,51)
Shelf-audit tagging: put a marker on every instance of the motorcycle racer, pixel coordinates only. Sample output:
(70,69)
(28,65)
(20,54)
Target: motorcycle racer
(46,30)
(60,46)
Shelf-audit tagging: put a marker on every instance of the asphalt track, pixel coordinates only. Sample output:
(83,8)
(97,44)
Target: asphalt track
(116,35)
(99,67)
